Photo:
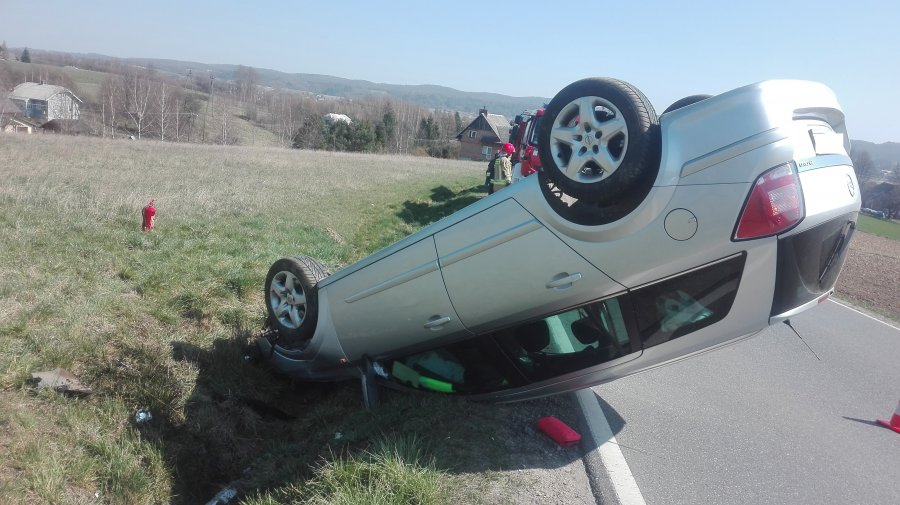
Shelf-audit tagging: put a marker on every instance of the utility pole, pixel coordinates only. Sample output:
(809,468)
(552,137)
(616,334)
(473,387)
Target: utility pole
(208,104)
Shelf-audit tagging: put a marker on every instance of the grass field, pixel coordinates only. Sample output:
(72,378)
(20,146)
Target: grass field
(161,321)
(880,227)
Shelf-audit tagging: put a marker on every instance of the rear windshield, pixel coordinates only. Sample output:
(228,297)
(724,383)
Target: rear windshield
(688,302)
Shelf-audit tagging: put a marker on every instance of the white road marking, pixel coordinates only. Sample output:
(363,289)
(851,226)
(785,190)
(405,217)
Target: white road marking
(863,313)
(623,482)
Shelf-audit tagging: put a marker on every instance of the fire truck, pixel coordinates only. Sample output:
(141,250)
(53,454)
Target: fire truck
(524,136)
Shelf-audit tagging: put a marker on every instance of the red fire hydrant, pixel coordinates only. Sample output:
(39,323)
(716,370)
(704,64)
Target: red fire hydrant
(149,215)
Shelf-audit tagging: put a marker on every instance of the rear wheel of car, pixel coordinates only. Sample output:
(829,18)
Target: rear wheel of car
(599,139)
(684,102)
(292,299)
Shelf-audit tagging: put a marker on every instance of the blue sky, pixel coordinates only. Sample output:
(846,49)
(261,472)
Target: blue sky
(668,49)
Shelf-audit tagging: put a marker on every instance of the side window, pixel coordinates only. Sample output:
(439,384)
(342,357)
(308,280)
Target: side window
(570,341)
(475,365)
(688,302)
(563,343)
(472,134)
(535,128)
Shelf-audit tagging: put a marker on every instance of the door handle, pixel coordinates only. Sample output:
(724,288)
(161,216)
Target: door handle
(435,324)
(564,282)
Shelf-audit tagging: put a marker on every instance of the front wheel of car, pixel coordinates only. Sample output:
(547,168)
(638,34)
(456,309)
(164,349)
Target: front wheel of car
(599,139)
(291,294)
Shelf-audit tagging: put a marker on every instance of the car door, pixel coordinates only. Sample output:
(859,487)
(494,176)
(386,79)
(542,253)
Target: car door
(397,302)
(502,265)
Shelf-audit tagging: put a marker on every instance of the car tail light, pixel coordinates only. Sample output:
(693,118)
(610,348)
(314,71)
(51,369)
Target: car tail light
(775,205)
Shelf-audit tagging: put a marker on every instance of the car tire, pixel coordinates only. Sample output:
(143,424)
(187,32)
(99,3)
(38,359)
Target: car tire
(684,102)
(291,295)
(599,139)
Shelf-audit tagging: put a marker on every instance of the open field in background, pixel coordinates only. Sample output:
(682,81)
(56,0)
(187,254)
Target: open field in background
(881,227)
(162,320)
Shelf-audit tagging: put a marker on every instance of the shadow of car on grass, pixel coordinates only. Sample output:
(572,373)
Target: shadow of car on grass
(445,202)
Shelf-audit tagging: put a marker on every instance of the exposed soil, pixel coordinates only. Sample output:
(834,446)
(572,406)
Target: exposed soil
(871,274)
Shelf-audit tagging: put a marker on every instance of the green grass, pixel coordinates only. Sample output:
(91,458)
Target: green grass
(880,227)
(162,320)
(393,471)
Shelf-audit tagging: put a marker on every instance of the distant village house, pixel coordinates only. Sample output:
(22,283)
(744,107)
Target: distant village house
(12,120)
(332,118)
(485,135)
(45,102)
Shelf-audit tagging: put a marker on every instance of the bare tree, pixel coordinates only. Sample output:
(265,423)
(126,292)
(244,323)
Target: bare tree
(187,110)
(138,94)
(163,97)
(246,83)
(863,164)
(111,103)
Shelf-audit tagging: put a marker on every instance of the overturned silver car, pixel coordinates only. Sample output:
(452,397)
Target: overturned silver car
(644,240)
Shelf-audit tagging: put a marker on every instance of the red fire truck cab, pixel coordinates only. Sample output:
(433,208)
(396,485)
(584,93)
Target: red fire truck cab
(524,136)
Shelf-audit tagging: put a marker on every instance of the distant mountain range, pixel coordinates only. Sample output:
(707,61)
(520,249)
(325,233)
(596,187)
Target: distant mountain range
(427,95)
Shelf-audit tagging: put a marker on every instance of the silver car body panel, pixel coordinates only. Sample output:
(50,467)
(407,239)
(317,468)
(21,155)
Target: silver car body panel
(501,266)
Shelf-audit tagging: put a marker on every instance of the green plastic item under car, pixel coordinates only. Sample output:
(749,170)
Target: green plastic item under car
(407,375)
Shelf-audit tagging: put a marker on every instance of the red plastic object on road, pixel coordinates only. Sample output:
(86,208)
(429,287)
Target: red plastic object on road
(148,214)
(894,423)
(558,431)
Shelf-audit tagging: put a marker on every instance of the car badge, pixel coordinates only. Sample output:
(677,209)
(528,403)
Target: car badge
(850,186)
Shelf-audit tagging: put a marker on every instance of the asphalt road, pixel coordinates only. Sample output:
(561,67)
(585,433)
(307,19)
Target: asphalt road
(766,422)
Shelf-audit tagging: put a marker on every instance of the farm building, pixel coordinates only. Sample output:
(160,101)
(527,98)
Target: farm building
(45,102)
(11,118)
(484,135)
(17,125)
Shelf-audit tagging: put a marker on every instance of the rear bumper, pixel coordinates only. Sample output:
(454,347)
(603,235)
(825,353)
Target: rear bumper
(808,265)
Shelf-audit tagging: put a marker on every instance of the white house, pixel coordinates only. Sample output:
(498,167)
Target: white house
(45,102)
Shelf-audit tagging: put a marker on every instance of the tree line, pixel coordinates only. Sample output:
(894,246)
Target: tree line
(198,107)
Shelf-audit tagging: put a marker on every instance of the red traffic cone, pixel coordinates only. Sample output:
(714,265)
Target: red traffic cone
(894,423)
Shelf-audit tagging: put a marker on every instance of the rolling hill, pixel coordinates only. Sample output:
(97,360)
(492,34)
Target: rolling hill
(886,155)
(427,95)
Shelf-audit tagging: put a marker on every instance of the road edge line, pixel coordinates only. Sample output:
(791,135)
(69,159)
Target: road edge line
(863,313)
(607,451)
